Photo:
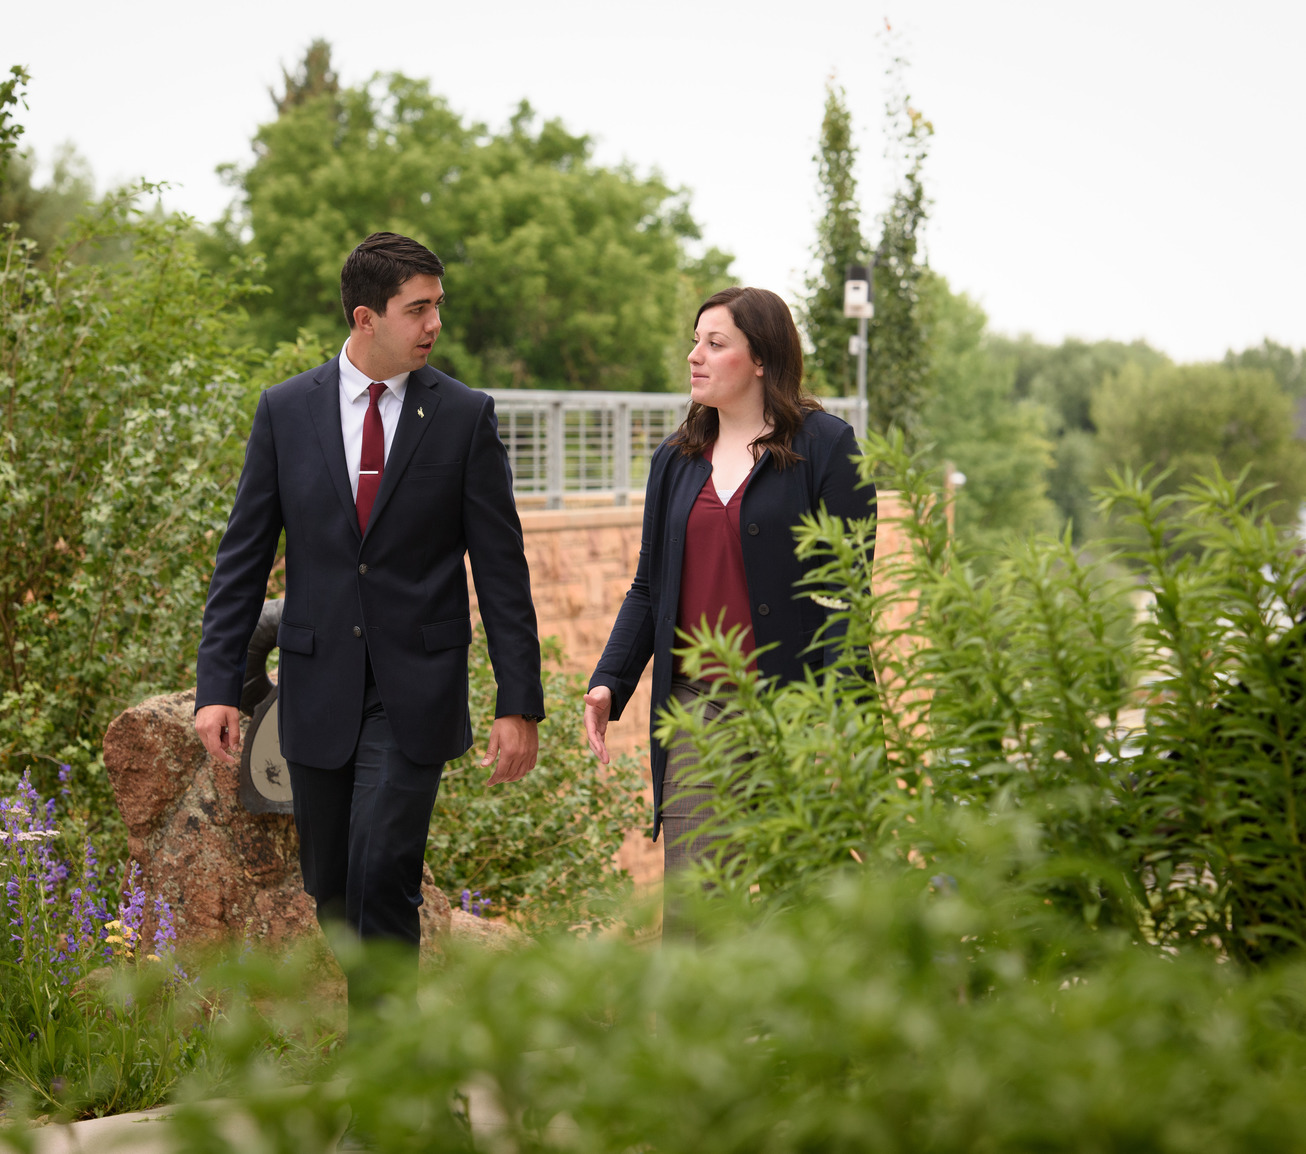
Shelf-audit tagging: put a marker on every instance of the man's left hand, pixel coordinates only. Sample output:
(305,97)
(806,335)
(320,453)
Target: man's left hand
(515,742)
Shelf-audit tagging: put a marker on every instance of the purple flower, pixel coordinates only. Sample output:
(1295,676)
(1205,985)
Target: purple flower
(165,935)
(133,913)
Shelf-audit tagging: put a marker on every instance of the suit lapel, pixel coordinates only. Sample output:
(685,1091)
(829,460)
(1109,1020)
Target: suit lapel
(421,398)
(324,409)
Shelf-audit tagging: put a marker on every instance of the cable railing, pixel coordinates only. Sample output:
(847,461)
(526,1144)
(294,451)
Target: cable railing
(594,445)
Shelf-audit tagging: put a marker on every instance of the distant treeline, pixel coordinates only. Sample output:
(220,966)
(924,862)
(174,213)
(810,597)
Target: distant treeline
(567,274)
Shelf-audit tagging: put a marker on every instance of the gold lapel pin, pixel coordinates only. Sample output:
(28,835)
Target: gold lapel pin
(419,411)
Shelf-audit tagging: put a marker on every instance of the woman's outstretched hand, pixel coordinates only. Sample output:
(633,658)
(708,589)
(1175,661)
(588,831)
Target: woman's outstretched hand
(598,708)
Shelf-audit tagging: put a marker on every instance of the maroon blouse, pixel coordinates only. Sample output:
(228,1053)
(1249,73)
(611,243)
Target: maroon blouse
(712,577)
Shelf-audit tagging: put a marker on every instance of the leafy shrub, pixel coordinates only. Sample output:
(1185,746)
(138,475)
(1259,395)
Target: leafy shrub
(541,848)
(120,397)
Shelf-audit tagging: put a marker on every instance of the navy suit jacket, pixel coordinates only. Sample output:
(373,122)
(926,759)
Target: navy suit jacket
(398,592)
(783,614)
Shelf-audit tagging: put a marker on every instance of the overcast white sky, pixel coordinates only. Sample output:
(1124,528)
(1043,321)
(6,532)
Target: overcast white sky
(1100,170)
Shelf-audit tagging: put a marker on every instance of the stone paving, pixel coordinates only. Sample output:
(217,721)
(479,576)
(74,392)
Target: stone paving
(149,1132)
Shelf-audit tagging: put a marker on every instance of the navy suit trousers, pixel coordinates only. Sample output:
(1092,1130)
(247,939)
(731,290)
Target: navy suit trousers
(362,833)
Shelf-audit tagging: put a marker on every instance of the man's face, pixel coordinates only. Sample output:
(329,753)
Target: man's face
(400,339)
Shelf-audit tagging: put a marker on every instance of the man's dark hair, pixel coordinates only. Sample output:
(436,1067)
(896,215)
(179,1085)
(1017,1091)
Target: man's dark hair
(376,269)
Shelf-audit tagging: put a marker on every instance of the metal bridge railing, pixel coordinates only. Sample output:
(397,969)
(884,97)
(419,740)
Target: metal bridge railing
(594,444)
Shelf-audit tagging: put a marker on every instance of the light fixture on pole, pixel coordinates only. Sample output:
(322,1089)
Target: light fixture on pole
(859,302)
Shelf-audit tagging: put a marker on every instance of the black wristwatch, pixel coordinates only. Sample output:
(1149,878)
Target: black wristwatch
(532,717)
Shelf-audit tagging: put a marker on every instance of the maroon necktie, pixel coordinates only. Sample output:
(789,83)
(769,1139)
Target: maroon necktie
(372,462)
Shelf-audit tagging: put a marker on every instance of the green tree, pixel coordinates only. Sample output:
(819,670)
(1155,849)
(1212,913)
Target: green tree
(561,273)
(996,440)
(839,243)
(1188,418)
(313,78)
(44,213)
(1288,367)
(1061,379)
(897,376)
(40,213)
(11,128)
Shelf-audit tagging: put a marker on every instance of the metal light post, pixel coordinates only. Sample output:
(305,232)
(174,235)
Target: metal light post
(859,302)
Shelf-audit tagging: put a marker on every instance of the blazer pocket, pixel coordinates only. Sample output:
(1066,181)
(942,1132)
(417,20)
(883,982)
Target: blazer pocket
(447,634)
(436,468)
(295,638)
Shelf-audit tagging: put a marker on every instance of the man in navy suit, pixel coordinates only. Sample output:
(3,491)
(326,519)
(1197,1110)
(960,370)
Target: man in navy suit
(384,473)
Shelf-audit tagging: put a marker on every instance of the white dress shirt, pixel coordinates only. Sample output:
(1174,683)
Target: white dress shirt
(353,408)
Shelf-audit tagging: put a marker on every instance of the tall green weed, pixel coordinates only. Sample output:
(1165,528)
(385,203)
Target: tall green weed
(1145,710)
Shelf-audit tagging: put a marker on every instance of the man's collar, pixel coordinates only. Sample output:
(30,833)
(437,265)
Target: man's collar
(354,382)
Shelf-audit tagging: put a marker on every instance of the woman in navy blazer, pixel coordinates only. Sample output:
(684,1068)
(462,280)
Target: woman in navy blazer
(753,441)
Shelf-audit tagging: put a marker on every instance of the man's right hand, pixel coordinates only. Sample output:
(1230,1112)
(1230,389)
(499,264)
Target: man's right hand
(219,729)
(598,708)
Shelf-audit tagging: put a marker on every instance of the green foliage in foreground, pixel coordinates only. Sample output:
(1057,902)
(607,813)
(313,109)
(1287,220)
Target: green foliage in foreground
(541,849)
(892,1012)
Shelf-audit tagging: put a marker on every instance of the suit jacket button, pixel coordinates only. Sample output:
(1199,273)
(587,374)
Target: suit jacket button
(357,631)
(763,610)
(362,568)
(753,530)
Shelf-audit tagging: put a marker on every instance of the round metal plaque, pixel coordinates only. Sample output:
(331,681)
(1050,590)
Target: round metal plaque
(264,777)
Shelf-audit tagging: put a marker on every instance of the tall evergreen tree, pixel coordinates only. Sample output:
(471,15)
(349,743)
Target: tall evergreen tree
(839,243)
(898,371)
(314,77)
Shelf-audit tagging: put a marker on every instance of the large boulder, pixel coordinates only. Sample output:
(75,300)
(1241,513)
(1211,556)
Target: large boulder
(226,873)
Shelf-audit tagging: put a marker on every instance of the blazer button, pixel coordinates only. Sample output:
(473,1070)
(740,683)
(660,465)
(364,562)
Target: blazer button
(753,530)
(357,631)
(763,610)
(362,568)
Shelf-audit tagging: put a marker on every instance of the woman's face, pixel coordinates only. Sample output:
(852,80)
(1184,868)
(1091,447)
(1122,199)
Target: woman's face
(722,371)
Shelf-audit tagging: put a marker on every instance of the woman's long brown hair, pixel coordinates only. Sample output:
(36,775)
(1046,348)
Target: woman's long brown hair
(773,341)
